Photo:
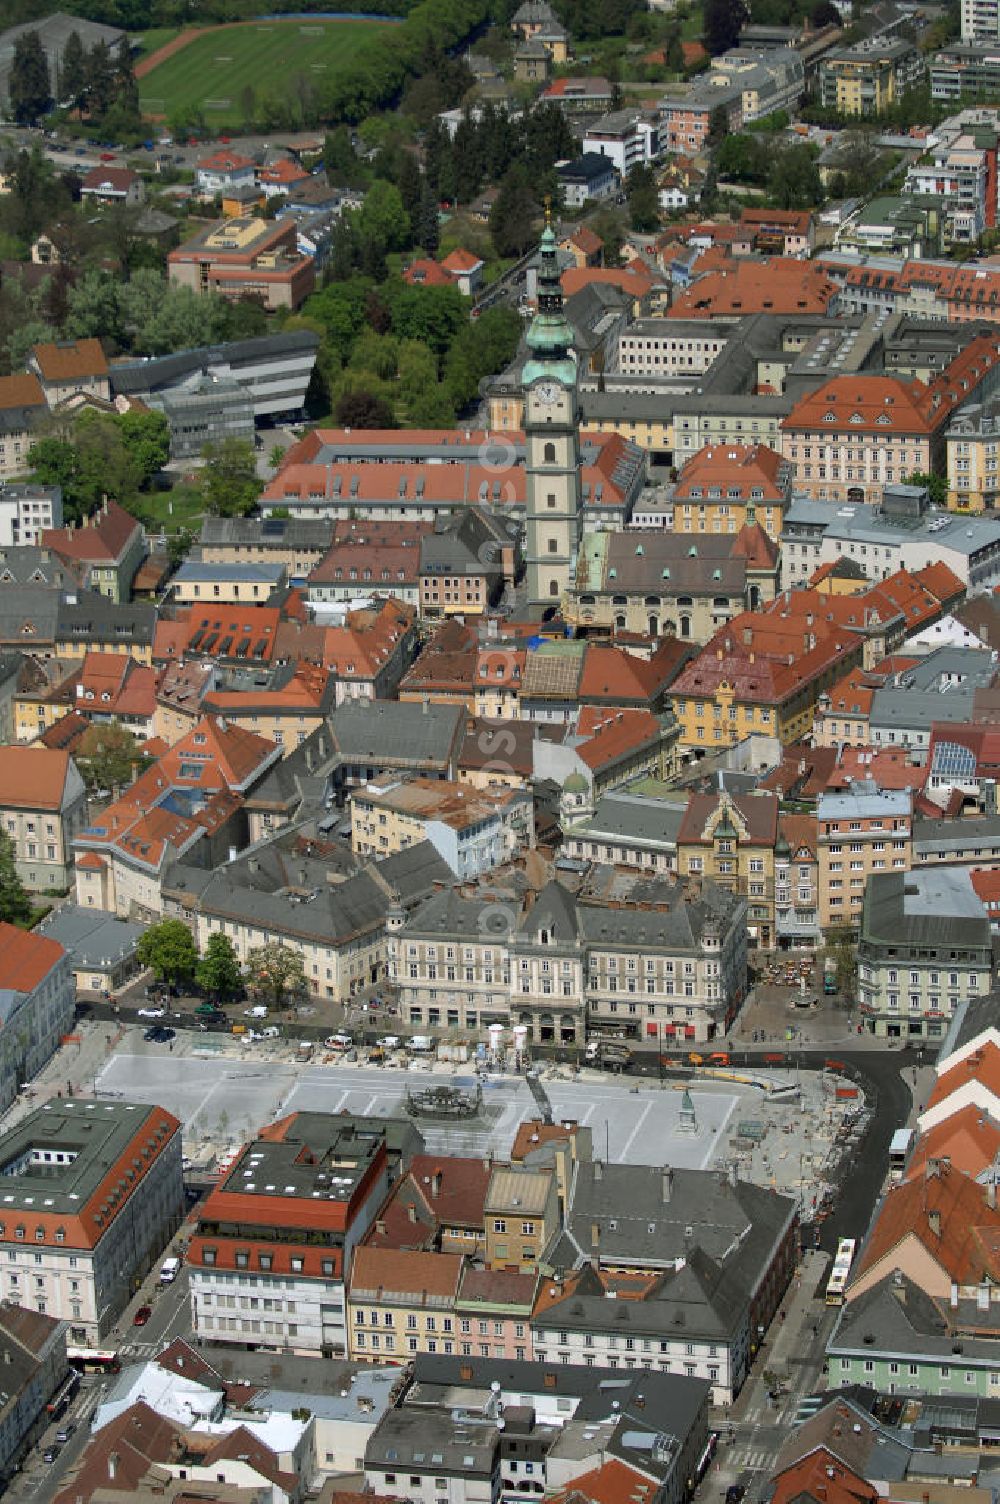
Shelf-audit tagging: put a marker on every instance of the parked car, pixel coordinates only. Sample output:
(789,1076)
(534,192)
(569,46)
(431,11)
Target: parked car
(257,1011)
(51,1453)
(338,1041)
(142,1315)
(150,1012)
(391,1042)
(159,1035)
(65,1432)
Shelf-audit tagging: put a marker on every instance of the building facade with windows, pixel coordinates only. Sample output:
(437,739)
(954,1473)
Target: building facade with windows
(925,946)
(669,963)
(92,1193)
(273,1241)
(861,834)
(43,807)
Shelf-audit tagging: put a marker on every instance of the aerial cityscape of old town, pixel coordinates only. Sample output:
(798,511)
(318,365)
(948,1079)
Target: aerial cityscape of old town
(499,752)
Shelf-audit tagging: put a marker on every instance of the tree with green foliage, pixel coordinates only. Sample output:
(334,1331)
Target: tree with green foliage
(275,975)
(937,486)
(89,460)
(218,972)
(428,225)
(478,350)
(107,755)
(359,408)
(431,314)
(101,80)
(842,952)
(168,949)
(15,905)
(73,73)
(723,22)
(643,200)
(794,181)
(382,217)
(146,437)
(125,84)
(29,87)
(230,484)
(513,217)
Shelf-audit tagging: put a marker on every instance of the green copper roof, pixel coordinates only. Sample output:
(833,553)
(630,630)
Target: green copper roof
(550,336)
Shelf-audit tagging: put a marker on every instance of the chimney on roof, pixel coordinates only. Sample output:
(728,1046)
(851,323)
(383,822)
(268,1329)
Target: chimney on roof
(411,1211)
(112,1466)
(934,1221)
(380,1227)
(595,1235)
(436,1183)
(991,1195)
(666,1184)
(953,1296)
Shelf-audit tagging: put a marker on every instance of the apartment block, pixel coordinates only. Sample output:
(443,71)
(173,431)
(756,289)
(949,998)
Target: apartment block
(273,1241)
(668,964)
(241,258)
(472,830)
(869,77)
(92,1193)
(862,833)
(43,809)
(924,946)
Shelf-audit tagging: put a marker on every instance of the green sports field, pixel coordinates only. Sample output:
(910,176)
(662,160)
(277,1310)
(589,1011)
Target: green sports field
(211,71)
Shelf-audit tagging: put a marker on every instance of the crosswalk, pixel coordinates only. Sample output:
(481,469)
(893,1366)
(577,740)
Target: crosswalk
(747,1457)
(139,1349)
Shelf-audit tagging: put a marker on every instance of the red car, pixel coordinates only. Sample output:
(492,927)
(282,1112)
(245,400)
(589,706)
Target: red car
(142,1315)
(107,156)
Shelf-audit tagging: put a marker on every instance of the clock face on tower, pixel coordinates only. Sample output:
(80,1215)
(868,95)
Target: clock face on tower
(547,393)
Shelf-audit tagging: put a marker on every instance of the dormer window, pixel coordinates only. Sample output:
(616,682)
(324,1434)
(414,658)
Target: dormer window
(544,937)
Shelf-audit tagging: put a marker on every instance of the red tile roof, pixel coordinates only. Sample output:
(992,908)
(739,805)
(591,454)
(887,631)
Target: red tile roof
(81,357)
(739,468)
(406,1271)
(969,1139)
(21,391)
(425,272)
(949,1214)
(460,261)
(32,777)
(27,958)
(224,161)
(778,285)
(611,734)
(99,539)
(117,179)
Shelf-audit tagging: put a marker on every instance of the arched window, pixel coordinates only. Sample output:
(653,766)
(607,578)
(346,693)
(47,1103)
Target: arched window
(553,587)
(549,454)
(685,626)
(654,626)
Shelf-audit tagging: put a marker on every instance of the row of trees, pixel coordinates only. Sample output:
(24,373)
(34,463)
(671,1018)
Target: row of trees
(274,974)
(97,82)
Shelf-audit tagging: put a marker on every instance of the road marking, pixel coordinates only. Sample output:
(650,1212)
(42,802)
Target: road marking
(620,1158)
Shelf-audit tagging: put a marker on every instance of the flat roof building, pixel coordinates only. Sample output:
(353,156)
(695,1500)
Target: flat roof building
(91,1193)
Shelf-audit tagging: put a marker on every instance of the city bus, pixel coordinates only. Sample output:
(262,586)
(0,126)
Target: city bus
(92,1360)
(841,1269)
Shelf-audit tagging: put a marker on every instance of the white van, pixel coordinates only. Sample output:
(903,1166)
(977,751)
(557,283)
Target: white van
(422,1044)
(169,1271)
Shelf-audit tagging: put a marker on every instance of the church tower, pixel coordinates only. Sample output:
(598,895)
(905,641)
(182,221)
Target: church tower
(551,424)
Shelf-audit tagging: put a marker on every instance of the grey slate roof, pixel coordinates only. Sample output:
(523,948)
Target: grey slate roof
(924,909)
(896,1319)
(653,1216)
(397,731)
(634,818)
(972,837)
(272,532)
(131,378)
(337,912)
(973,1017)
(92,937)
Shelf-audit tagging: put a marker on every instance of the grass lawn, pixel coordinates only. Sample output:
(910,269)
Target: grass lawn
(210,73)
(693,27)
(157,36)
(169,511)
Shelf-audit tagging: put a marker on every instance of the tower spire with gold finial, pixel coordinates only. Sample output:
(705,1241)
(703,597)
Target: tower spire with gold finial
(550,336)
